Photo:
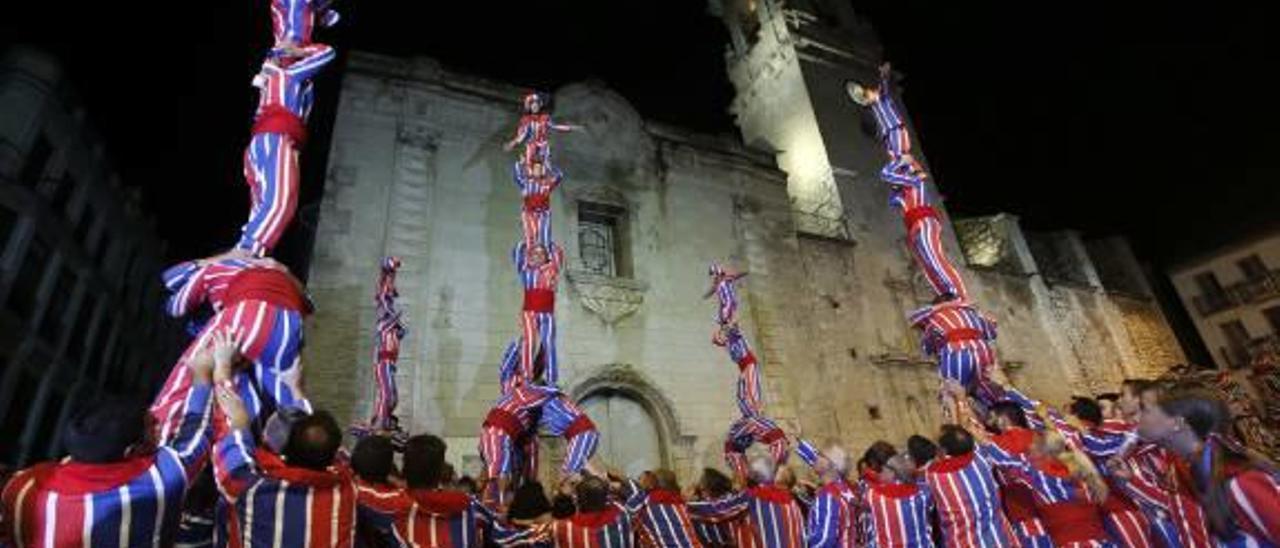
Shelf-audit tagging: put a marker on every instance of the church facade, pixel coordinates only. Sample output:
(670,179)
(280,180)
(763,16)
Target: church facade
(417,170)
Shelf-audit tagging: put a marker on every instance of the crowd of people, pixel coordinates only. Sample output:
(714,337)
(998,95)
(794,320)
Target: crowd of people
(232,453)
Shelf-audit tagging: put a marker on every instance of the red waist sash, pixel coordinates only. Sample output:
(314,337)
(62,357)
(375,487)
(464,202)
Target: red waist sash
(277,119)
(268,285)
(539,300)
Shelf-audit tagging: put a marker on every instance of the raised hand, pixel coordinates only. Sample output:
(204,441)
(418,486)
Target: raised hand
(225,347)
(232,406)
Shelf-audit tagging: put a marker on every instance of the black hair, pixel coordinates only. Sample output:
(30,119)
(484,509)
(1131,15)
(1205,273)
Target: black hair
(529,501)
(1010,410)
(878,454)
(424,461)
(1086,409)
(955,440)
(714,483)
(373,458)
(104,429)
(1108,396)
(592,493)
(562,506)
(921,449)
(313,441)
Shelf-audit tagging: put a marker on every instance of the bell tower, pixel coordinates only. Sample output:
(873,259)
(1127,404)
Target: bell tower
(788,62)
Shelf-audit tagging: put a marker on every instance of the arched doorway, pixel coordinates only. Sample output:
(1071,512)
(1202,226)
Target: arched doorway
(629,437)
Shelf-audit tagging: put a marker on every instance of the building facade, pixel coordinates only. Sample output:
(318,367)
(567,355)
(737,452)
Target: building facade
(1233,297)
(417,170)
(81,303)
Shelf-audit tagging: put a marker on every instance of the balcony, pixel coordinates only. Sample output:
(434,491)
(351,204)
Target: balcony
(1239,294)
(1244,356)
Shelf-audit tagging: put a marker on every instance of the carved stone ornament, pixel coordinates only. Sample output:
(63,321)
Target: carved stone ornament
(612,299)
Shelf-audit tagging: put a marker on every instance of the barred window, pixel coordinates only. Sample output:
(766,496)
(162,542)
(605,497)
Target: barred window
(600,238)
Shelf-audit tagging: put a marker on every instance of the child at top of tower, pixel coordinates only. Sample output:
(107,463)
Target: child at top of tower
(534,128)
(903,167)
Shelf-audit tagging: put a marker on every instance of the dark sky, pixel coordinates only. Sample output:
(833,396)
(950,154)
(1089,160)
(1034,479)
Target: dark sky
(1152,121)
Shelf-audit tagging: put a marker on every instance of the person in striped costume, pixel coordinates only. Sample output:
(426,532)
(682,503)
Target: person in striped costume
(1014,435)
(601,522)
(1085,431)
(271,169)
(924,238)
(423,514)
(724,288)
(300,497)
(562,418)
(536,183)
(961,337)
(534,131)
(114,490)
(770,517)
(512,417)
(749,430)
(373,463)
(714,485)
(663,521)
(265,305)
(902,167)
(539,268)
(1239,489)
(389,330)
(898,508)
(1158,481)
(293,21)
(1066,488)
(831,522)
(963,486)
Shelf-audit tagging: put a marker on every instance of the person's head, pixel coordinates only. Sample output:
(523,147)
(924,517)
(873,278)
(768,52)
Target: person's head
(1190,418)
(562,506)
(834,462)
(467,484)
(1180,416)
(762,470)
(533,102)
(955,440)
(714,484)
(878,455)
(921,449)
(275,433)
(1005,415)
(648,480)
(1130,401)
(592,494)
(313,442)
(897,469)
(537,255)
(424,461)
(529,502)
(861,94)
(373,459)
(104,430)
(1086,409)
(1109,403)
(666,480)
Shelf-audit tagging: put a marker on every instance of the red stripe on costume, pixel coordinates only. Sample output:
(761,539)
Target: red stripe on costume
(277,119)
(578,426)
(268,285)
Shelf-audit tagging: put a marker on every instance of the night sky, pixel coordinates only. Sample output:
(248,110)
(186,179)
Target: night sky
(1154,122)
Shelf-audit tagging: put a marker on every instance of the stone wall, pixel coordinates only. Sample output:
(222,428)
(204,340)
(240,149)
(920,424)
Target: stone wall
(417,170)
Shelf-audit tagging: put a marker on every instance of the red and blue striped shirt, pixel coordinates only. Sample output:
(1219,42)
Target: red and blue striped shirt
(135,502)
(278,505)
(898,515)
(968,500)
(663,522)
(772,517)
